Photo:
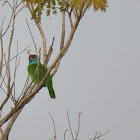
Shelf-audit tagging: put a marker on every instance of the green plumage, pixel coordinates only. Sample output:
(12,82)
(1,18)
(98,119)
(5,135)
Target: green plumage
(39,76)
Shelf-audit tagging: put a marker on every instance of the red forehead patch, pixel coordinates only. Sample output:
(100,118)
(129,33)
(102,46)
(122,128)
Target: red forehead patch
(32,56)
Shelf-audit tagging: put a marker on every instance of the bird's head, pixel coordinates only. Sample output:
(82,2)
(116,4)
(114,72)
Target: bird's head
(32,59)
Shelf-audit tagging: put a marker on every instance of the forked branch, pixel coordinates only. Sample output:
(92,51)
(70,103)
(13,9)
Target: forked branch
(97,136)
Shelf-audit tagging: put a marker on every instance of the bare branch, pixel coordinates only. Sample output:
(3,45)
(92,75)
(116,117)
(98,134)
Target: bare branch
(50,52)
(70,124)
(8,63)
(84,11)
(56,67)
(63,31)
(16,66)
(8,25)
(20,10)
(19,4)
(6,1)
(1,62)
(24,89)
(69,14)
(2,137)
(3,90)
(9,50)
(32,36)
(100,135)
(1,42)
(18,54)
(75,13)
(54,126)
(3,77)
(10,123)
(77,133)
(65,134)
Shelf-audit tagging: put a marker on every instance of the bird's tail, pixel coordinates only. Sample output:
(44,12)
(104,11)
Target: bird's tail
(50,86)
(51,92)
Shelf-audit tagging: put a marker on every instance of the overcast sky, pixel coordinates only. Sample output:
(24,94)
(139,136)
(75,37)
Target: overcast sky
(99,76)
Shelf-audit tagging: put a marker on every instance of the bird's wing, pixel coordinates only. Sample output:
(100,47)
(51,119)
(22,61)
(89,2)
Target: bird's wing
(31,70)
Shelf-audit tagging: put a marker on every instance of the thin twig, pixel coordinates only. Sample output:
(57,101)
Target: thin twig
(8,25)
(69,14)
(1,42)
(54,126)
(31,36)
(70,124)
(8,63)
(15,71)
(50,52)
(3,90)
(77,133)
(65,134)
(24,88)
(20,9)
(1,62)
(74,13)
(9,53)
(100,135)
(62,42)
(18,54)
(6,1)
(63,30)
(3,77)
(84,11)
(18,4)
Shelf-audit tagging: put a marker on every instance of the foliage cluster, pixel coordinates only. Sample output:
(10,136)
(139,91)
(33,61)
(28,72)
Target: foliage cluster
(52,5)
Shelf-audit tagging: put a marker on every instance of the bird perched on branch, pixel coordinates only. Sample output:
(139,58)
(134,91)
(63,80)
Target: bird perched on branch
(42,70)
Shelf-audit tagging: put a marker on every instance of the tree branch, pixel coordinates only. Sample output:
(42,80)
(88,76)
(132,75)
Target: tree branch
(49,52)
(1,62)
(18,54)
(10,124)
(42,35)
(8,25)
(70,125)
(63,31)
(2,137)
(32,36)
(8,64)
(77,133)
(54,126)
(100,135)
(65,134)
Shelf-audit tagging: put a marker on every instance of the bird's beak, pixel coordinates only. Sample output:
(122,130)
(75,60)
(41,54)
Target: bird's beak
(31,59)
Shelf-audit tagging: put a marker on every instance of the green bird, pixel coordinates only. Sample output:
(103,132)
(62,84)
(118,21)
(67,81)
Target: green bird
(39,76)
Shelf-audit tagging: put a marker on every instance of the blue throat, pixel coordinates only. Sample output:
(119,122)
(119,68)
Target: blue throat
(33,62)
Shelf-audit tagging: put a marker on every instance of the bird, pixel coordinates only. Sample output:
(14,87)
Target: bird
(39,76)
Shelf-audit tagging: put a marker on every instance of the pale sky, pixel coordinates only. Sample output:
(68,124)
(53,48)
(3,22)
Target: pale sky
(99,76)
